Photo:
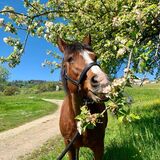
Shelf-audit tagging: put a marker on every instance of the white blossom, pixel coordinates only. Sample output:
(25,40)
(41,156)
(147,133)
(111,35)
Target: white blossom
(40,31)
(79,127)
(48,24)
(51,36)
(126,70)
(43,64)
(118,82)
(121,51)
(5,39)
(7,29)
(137,12)
(1,21)
(115,21)
(8,8)
(49,52)
(123,41)
(46,36)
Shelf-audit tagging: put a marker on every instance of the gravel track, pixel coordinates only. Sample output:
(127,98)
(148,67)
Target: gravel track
(24,139)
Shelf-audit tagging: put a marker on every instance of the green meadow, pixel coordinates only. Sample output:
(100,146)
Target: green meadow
(19,109)
(139,140)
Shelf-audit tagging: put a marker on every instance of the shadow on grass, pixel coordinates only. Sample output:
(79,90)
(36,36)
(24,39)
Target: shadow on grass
(150,121)
(116,152)
(138,141)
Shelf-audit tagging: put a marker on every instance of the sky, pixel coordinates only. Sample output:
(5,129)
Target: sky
(35,53)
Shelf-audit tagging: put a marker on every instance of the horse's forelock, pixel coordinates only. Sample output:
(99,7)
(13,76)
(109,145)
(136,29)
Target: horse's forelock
(75,47)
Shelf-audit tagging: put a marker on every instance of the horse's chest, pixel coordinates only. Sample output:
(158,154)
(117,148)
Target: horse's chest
(91,137)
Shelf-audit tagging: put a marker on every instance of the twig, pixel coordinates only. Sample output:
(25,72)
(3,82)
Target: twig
(157,49)
(129,65)
(16,13)
(104,5)
(53,11)
(129,60)
(142,81)
(34,8)
(25,41)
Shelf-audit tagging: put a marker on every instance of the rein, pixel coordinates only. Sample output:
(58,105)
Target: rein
(68,146)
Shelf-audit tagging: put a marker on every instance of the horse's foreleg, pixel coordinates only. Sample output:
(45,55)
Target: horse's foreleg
(98,152)
(77,153)
(73,152)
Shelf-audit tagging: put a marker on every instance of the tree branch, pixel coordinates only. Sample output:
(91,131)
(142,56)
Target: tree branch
(34,8)
(16,13)
(53,11)
(104,5)
(25,41)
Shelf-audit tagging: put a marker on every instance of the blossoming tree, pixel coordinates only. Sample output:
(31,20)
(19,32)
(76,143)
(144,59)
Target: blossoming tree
(124,32)
(116,27)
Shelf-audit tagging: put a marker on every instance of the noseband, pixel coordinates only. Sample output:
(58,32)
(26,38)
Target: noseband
(82,76)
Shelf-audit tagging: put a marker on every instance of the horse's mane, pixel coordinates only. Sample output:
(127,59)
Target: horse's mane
(72,48)
(64,81)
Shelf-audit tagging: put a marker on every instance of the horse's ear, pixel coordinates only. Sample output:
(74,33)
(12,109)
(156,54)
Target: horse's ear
(61,44)
(87,40)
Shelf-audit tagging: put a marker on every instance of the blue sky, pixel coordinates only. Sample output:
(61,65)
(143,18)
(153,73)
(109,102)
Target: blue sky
(35,53)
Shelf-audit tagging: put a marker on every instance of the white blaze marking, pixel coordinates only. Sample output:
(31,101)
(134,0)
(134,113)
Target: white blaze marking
(87,58)
(101,76)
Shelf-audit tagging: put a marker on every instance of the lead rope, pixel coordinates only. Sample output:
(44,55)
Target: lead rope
(68,146)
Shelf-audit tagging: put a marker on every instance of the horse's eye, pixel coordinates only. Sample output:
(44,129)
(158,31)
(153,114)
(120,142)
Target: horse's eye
(96,58)
(93,57)
(70,59)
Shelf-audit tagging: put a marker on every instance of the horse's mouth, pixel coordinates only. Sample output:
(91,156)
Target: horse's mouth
(98,97)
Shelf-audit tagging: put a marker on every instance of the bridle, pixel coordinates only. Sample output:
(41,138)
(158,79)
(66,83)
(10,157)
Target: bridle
(82,75)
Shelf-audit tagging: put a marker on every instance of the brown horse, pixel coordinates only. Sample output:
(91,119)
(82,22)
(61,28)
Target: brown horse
(85,83)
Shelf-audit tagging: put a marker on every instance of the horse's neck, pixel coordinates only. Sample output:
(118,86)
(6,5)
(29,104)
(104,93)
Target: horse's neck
(76,102)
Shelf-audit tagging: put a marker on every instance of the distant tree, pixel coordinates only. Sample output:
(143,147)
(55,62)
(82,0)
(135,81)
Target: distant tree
(117,28)
(46,86)
(4,74)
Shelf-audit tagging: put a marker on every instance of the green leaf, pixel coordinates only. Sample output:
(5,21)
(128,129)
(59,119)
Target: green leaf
(120,119)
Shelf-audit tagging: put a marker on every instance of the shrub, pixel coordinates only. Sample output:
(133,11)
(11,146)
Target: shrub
(2,87)
(10,90)
(45,87)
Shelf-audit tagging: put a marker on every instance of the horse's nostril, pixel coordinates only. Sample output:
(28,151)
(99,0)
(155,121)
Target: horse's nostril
(94,81)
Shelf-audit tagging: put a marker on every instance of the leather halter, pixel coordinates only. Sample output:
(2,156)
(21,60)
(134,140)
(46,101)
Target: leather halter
(81,78)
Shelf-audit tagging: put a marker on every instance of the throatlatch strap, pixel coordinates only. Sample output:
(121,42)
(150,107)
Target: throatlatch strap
(70,79)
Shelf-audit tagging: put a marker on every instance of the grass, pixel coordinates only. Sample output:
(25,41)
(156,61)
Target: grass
(52,95)
(19,109)
(139,140)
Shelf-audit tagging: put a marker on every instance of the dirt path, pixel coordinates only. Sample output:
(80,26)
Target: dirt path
(24,139)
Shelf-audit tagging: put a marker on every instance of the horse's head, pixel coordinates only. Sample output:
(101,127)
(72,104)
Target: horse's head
(81,72)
